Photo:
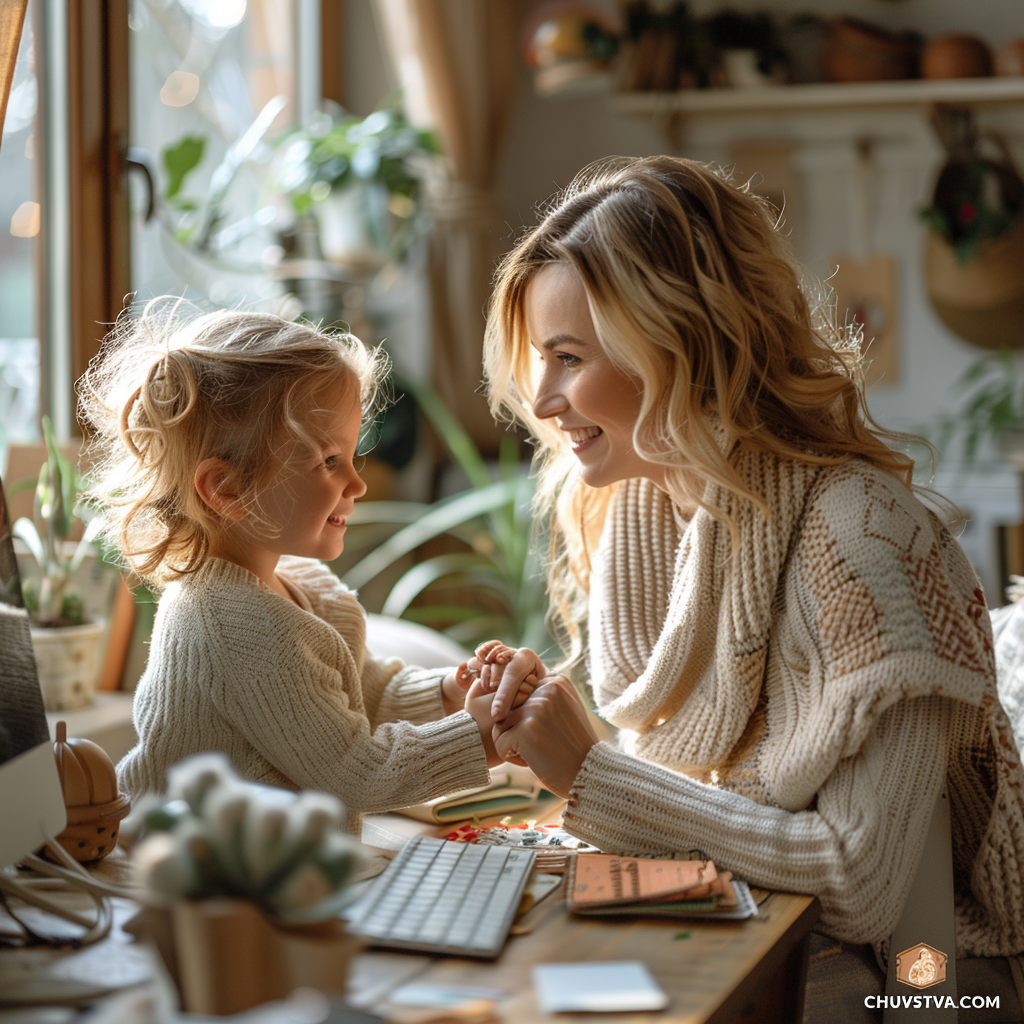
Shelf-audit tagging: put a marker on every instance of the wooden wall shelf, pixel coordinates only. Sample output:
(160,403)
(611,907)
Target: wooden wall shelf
(815,98)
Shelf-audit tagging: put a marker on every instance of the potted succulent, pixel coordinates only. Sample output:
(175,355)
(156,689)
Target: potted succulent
(361,180)
(242,886)
(65,640)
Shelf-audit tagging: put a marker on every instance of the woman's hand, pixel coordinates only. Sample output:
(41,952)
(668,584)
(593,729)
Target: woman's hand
(550,733)
(478,704)
(510,673)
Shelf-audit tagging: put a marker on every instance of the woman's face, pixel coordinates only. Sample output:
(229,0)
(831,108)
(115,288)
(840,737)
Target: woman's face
(590,399)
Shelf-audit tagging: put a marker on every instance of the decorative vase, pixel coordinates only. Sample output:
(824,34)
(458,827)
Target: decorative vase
(981,301)
(68,661)
(1009,58)
(956,55)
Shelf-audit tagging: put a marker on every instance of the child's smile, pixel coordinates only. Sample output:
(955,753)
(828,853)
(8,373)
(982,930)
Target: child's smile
(311,502)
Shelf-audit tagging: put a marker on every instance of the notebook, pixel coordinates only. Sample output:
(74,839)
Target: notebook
(511,789)
(599,883)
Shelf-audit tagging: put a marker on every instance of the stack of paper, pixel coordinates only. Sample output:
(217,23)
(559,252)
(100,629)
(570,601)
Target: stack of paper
(600,883)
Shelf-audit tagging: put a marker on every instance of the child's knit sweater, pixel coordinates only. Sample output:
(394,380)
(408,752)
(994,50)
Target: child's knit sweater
(793,709)
(292,696)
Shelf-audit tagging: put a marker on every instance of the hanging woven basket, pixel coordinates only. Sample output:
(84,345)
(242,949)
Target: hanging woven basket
(981,301)
(974,257)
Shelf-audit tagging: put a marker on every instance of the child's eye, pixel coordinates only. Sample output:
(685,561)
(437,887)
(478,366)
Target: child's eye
(331,462)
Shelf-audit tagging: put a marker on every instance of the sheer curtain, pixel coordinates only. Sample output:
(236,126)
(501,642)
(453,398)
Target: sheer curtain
(456,62)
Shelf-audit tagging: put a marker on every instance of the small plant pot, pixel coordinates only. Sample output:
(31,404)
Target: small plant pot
(225,955)
(68,661)
(981,301)
(345,234)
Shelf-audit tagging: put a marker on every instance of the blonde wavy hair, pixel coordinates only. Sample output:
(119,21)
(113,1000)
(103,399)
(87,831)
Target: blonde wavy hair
(173,386)
(695,295)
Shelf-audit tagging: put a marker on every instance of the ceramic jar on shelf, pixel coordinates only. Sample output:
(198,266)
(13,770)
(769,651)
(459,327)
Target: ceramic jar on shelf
(956,55)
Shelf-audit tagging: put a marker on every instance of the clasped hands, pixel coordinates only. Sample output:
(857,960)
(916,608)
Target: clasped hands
(532,718)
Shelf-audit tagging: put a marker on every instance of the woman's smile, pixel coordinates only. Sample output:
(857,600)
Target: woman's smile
(595,404)
(582,439)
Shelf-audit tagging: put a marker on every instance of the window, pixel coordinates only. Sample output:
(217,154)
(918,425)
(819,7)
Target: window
(66,230)
(20,238)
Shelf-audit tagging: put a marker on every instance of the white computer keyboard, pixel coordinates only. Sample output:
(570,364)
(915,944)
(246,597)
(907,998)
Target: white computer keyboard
(444,897)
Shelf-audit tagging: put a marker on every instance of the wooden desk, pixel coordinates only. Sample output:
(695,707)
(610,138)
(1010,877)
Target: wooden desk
(720,971)
(713,972)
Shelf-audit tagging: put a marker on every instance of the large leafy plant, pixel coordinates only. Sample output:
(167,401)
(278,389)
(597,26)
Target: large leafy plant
(488,582)
(990,402)
(48,597)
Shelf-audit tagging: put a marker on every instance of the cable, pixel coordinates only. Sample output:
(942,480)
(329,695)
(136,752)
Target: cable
(69,876)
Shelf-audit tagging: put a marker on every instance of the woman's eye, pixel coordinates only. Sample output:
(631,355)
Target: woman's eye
(568,359)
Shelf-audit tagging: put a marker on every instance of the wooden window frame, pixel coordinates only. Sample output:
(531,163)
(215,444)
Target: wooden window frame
(99,231)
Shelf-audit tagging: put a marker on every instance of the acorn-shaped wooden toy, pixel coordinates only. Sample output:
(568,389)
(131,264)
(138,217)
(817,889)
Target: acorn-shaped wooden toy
(94,806)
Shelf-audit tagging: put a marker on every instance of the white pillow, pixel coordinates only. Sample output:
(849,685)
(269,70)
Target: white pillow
(387,637)
(1008,634)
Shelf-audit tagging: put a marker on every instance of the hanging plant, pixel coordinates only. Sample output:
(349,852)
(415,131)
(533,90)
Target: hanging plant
(976,243)
(976,198)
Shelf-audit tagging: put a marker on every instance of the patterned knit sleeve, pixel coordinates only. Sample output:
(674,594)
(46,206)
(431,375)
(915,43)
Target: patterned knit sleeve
(856,847)
(301,707)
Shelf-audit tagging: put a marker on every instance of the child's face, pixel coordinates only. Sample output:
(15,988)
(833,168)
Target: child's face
(312,500)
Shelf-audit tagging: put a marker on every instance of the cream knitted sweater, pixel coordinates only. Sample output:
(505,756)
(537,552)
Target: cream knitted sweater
(289,692)
(793,710)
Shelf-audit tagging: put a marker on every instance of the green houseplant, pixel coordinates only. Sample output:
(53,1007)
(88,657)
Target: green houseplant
(989,407)
(361,179)
(486,580)
(65,640)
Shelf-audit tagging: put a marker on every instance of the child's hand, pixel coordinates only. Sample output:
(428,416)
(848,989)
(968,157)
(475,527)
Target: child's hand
(454,687)
(511,674)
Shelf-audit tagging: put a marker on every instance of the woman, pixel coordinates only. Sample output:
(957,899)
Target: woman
(796,652)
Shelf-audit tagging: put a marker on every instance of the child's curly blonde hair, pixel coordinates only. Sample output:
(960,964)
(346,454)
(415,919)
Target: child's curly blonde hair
(173,386)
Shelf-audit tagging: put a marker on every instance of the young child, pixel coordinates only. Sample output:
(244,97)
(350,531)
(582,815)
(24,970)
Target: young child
(224,447)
